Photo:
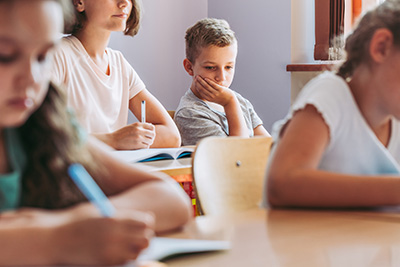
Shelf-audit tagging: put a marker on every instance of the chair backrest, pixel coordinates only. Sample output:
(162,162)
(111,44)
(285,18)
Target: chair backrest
(228,173)
(171,113)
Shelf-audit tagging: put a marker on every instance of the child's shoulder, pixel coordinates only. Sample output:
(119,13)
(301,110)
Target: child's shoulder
(190,104)
(325,85)
(326,80)
(70,47)
(189,100)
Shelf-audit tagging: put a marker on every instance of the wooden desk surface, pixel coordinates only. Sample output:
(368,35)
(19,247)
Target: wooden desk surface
(297,238)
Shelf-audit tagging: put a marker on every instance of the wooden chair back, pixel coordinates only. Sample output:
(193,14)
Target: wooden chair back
(228,173)
(171,113)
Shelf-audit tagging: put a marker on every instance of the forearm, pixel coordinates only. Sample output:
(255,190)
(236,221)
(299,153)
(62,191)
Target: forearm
(27,245)
(29,236)
(166,136)
(105,138)
(261,131)
(236,122)
(138,189)
(169,204)
(314,188)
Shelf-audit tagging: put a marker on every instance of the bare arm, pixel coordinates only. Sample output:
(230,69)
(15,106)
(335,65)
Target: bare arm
(294,180)
(79,235)
(213,92)
(75,236)
(150,192)
(260,130)
(167,134)
(158,131)
(133,136)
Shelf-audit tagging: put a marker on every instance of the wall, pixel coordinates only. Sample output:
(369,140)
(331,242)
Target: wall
(263,31)
(302,31)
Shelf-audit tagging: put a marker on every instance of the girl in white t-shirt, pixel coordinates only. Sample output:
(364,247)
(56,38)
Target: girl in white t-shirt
(339,146)
(102,86)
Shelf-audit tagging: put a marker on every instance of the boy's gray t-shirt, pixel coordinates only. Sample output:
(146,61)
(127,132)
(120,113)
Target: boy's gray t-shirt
(196,120)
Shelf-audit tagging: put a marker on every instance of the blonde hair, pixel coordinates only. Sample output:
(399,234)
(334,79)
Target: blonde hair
(206,32)
(132,24)
(386,15)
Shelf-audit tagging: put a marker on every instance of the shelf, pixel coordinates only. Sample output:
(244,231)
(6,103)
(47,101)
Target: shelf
(312,66)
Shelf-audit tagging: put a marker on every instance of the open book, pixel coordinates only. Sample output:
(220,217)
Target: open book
(151,154)
(162,248)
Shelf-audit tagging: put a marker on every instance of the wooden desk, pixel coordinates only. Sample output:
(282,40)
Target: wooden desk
(180,170)
(297,238)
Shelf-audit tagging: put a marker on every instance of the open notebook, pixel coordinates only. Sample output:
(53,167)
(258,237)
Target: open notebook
(151,154)
(162,248)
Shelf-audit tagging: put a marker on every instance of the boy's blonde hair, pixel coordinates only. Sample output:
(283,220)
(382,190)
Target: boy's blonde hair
(132,24)
(206,32)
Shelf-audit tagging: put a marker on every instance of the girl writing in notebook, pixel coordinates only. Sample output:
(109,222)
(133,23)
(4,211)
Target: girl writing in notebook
(339,146)
(44,219)
(102,86)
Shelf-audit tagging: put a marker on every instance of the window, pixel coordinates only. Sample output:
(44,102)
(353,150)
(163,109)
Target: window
(332,24)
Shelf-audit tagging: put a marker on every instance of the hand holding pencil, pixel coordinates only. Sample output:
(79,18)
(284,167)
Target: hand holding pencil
(115,238)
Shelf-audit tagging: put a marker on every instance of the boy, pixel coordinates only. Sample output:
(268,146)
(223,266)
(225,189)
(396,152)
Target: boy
(209,107)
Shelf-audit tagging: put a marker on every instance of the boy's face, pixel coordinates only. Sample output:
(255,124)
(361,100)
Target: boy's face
(215,63)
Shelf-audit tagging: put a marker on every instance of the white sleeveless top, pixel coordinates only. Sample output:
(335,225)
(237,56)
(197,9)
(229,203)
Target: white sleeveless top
(353,147)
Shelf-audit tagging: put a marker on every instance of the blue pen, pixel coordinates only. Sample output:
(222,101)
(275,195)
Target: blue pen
(90,189)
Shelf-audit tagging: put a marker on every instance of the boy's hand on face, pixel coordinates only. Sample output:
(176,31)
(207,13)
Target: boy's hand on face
(213,92)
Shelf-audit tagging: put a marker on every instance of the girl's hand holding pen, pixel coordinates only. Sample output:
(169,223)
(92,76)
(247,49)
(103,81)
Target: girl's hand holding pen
(82,235)
(103,240)
(133,136)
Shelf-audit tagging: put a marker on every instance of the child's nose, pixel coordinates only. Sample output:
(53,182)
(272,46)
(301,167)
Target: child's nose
(123,3)
(30,75)
(220,75)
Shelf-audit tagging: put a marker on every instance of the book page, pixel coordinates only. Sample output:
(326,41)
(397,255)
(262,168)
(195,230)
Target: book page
(150,154)
(161,247)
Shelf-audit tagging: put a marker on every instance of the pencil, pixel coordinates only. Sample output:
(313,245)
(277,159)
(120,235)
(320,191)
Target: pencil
(143,111)
(90,189)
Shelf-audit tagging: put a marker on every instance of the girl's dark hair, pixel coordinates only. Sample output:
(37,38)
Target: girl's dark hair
(386,15)
(51,143)
(75,24)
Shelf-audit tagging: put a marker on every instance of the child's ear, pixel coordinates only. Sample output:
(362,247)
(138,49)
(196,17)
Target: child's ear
(79,5)
(188,66)
(381,44)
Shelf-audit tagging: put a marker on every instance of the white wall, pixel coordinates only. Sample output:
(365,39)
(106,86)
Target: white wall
(302,31)
(263,31)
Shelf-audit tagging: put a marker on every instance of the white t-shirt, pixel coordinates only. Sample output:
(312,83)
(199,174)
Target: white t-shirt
(353,147)
(101,101)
